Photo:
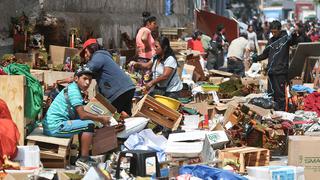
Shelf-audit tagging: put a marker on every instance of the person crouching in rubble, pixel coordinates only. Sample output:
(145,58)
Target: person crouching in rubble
(113,83)
(66,116)
(164,66)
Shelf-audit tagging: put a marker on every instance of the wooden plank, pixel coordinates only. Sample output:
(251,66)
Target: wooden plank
(37,135)
(12,91)
(51,155)
(62,150)
(161,108)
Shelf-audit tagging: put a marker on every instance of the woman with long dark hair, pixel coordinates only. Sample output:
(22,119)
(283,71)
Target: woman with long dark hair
(165,79)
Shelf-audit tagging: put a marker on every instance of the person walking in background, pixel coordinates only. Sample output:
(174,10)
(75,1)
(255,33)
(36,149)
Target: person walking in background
(222,44)
(252,38)
(195,43)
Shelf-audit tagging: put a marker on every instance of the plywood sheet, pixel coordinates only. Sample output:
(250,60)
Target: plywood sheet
(12,88)
(207,23)
(297,62)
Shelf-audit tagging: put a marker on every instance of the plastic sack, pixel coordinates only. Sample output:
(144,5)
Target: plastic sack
(133,125)
(209,173)
(265,103)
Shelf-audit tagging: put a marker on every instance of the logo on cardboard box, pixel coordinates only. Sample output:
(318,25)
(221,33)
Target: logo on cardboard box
(213,138)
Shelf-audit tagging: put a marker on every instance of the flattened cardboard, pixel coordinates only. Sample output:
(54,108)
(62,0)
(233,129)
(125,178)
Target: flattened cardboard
(249,80)
(220,73)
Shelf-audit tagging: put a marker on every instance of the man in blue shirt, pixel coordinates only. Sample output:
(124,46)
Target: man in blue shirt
(113,83)
(66,115)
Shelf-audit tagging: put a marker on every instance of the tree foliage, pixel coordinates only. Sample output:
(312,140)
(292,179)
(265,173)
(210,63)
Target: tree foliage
(247,8)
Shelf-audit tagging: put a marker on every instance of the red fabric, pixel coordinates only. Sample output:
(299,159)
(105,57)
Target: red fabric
(315,38)
(195,45)
(9,134)
(312,103)
(2,72)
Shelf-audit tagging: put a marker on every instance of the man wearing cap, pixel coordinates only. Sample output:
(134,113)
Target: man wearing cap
(66,115)
(113,83)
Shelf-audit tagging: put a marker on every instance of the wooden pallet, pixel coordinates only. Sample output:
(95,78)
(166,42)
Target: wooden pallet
(54,152)
(158,113)
(246,156)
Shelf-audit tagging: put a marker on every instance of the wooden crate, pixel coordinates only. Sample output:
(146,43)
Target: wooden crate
(54,152)
(12,91)
(178,45)
(158,113)
(246,156)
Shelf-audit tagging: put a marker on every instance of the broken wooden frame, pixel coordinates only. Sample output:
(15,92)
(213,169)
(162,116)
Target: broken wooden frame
(298,63)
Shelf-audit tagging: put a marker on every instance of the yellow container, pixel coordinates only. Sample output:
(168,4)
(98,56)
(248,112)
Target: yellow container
(169,102)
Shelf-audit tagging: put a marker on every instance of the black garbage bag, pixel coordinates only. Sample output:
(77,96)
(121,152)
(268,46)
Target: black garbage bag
(265,103)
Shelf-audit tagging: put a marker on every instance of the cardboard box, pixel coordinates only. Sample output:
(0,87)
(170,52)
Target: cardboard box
(104,140)
(190,144)
(187,144)
(100,105)
(275,172)
(217,139)
(304,151)
(60,53)
(19,174)
(28,156)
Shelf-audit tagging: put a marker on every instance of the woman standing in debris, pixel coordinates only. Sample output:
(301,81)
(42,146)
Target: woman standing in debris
(164,66)
(112,81)
(252,37)
(144,39)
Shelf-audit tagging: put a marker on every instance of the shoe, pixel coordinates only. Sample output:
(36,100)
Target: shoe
(85,164)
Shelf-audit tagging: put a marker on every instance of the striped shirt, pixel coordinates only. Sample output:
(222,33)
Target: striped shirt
(58,110)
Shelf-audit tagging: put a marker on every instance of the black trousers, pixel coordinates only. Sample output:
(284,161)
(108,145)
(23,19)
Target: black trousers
(124,102)
(236,66)
(277,89)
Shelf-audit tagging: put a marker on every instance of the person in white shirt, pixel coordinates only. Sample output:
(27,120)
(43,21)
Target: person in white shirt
(252,38)
(165,80)
(236,52)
